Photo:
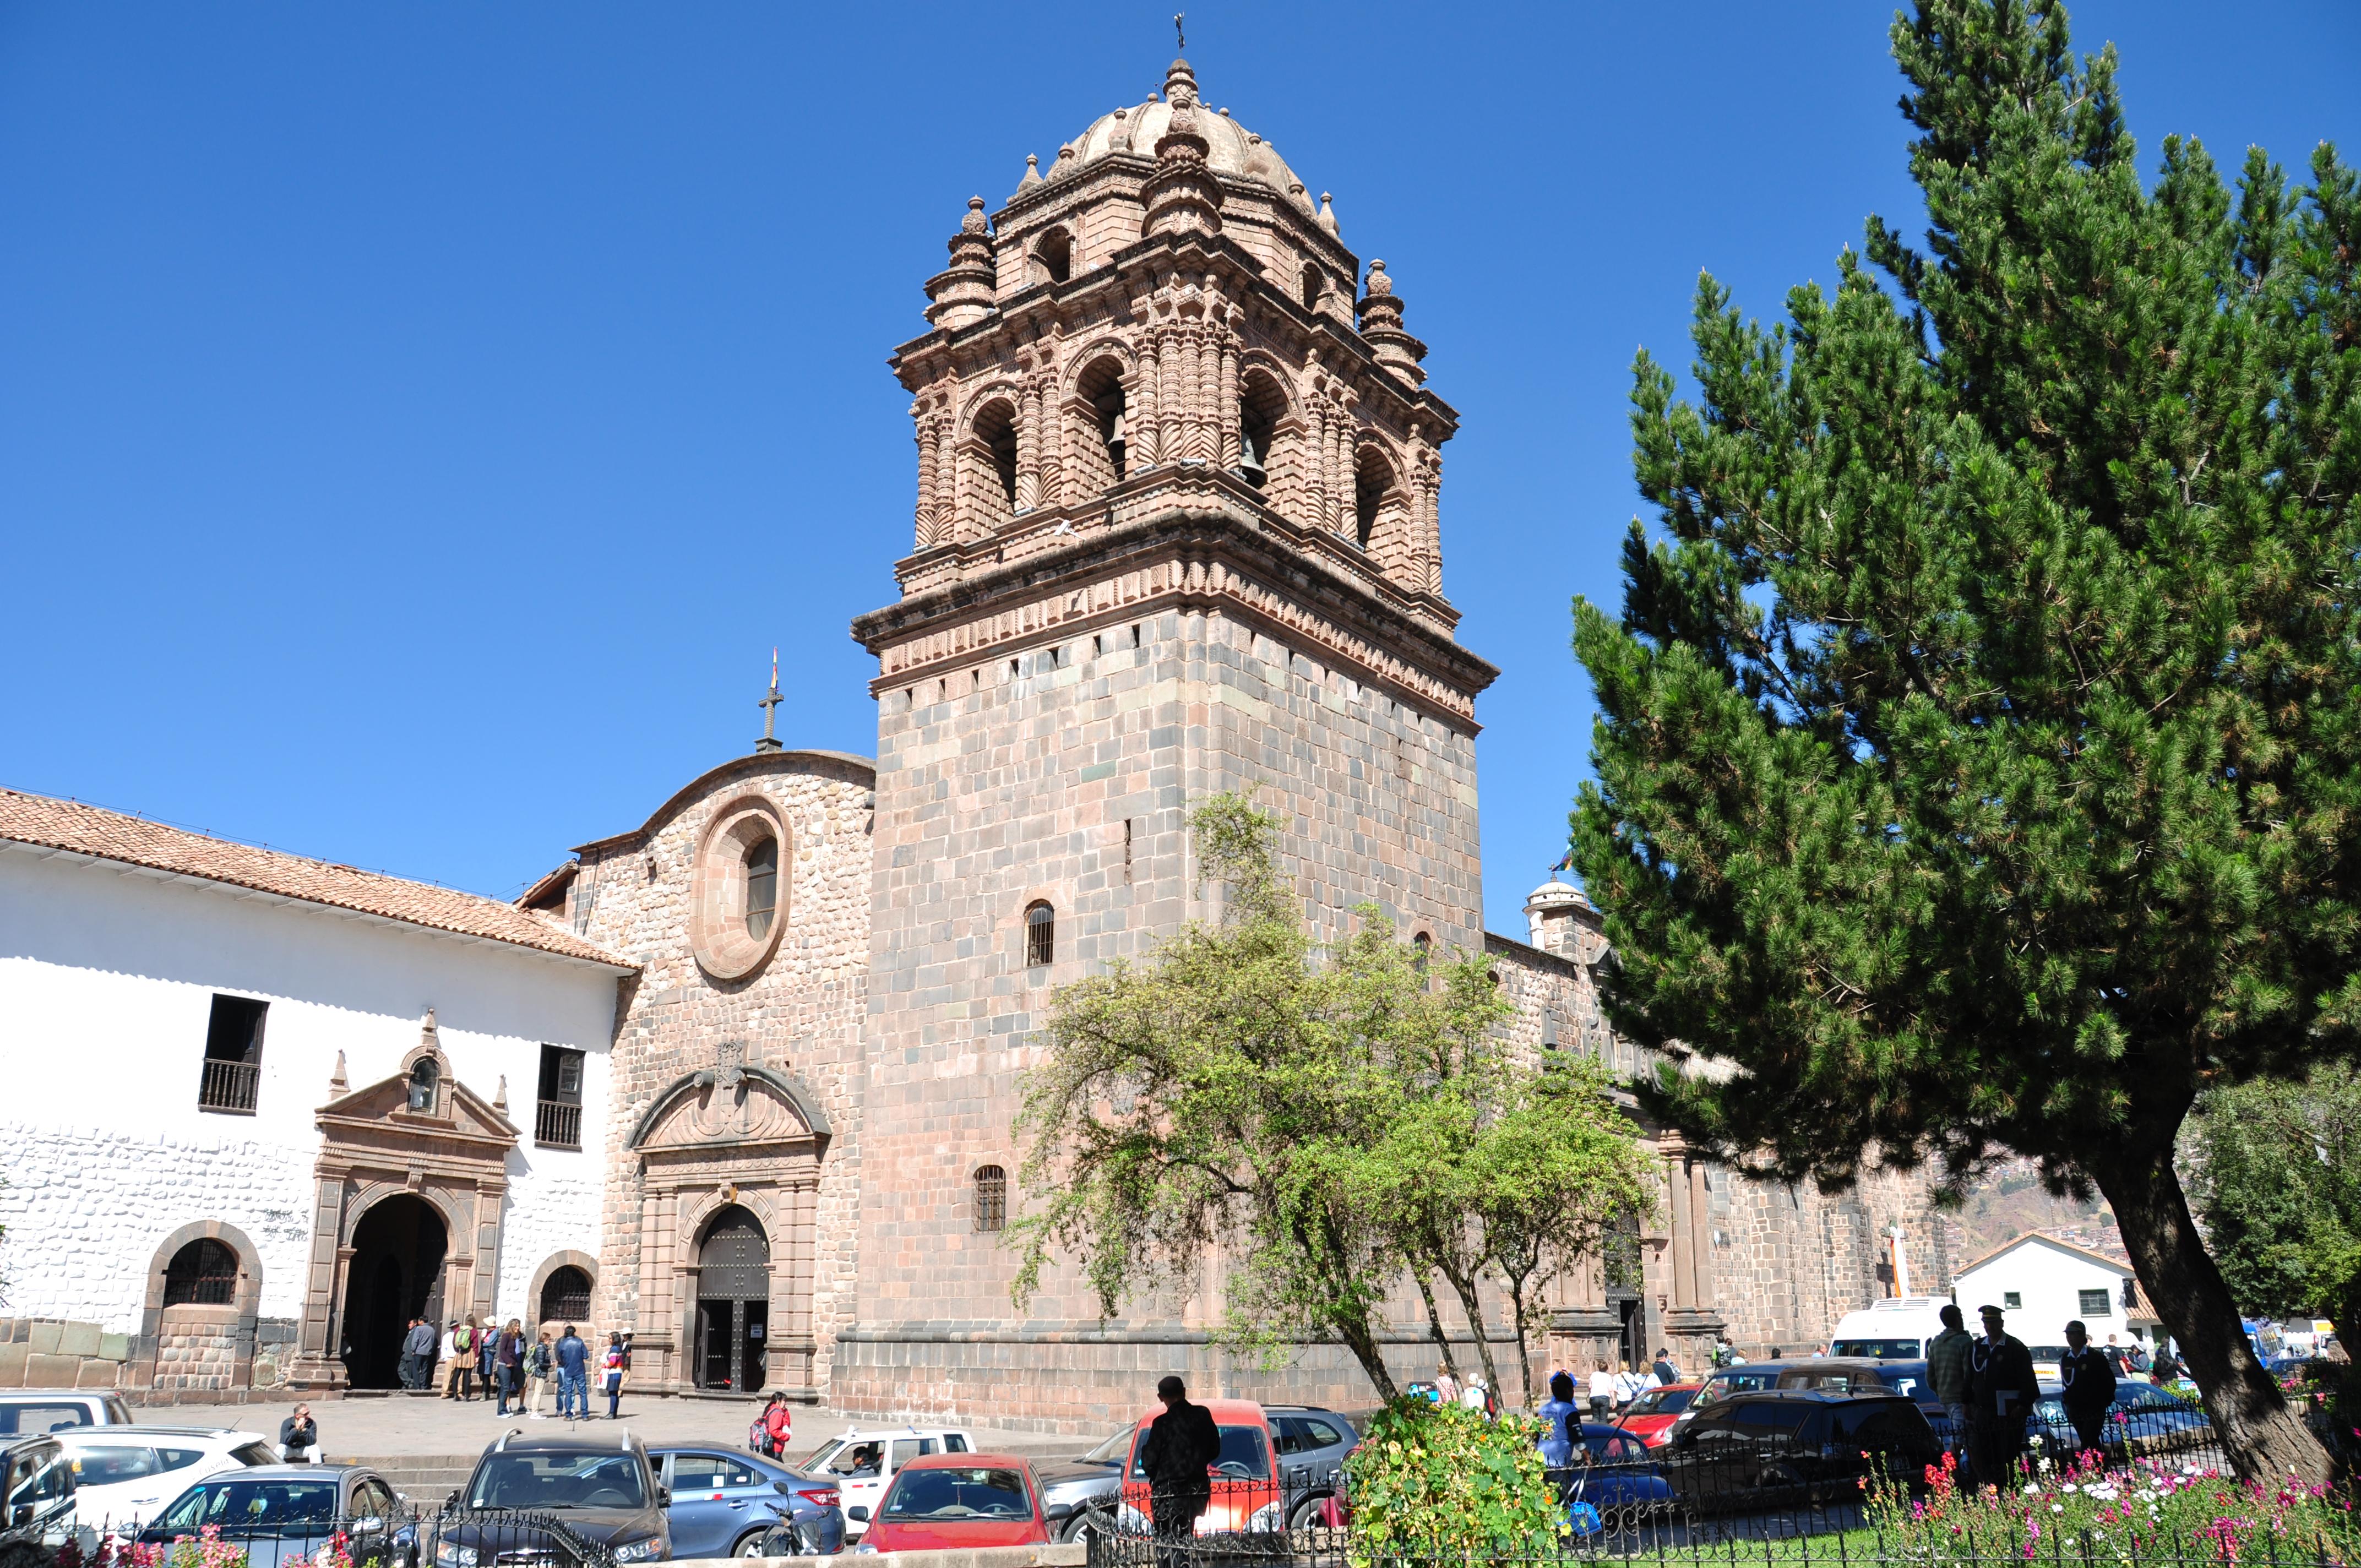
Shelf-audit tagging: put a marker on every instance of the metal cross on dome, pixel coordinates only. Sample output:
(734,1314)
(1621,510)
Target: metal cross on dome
(1179,35)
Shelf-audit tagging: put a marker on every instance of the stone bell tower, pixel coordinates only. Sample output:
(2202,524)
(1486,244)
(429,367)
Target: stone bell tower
(1176,533)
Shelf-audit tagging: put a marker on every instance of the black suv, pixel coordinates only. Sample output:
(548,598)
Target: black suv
(528,1497)
(1778,1447)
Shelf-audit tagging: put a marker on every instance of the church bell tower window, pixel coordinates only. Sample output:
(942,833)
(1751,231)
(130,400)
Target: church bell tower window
(1056,254)
(1040,936)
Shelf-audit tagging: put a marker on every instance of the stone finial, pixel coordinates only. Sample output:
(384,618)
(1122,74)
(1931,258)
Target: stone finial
(339,1087)
(1032,172)
(426,1033)
(961,294)
(1179,83)
(500,1100)
(1382,328)
(1067,161)
(1182,196)
(1327,215)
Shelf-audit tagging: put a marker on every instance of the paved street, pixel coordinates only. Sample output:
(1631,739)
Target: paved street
(409,1425)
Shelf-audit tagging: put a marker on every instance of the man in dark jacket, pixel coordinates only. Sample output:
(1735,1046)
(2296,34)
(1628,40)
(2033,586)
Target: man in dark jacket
(418,1354)
(2002,1392)
(1179,1455)
(2088,1387)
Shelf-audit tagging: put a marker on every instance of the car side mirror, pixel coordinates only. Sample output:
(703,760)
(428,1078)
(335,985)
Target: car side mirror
(858,1512)
(663,1497)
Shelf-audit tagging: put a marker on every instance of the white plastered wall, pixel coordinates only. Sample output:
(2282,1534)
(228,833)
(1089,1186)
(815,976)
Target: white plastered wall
(106,985)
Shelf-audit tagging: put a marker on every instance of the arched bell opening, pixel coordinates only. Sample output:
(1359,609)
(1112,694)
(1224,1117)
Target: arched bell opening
(1053,254)
(1098,390)
(733,1301)
(1262,409)
(992,463)
(1374,485)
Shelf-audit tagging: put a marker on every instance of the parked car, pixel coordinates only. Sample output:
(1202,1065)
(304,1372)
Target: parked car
(603,1489)
(1721,1383)
(123,1475)
(2143,1419)
(1079,1496)
(728,1504)
(959,1501)
(863,1460)
(1247,1496)
(1790,1444)
(1617,1474)
(1650,1416)
(274,1513)
(1313,1444)
(53,1409)
(36,1500)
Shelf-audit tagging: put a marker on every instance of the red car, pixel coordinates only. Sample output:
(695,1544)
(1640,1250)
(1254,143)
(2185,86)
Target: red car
(945,1501)
(1650,1416)
(1246,1491)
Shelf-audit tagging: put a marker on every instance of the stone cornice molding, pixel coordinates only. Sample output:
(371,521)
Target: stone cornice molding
(1210,556)
(787,1086)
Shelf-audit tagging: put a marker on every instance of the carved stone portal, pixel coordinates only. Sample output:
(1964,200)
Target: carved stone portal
(730,1171)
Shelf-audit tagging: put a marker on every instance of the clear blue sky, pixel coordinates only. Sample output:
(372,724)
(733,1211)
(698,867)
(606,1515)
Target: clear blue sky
(418,422)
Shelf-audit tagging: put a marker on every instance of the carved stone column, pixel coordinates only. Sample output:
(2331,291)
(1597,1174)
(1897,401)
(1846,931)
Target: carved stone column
(1691,1323)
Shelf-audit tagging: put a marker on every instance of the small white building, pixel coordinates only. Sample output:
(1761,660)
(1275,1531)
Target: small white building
(2043,1283)
(253,1104)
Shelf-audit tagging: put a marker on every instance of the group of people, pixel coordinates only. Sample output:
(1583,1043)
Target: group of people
(1613,1391)
(510,1368)
(1985,1383)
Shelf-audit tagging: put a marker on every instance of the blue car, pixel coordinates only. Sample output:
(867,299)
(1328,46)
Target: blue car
(2143,1419)
(728,1503)
(1615,1482)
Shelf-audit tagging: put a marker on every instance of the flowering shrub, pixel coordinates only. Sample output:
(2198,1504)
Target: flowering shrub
(335,1553)
(2116,1515)
(1437,1479)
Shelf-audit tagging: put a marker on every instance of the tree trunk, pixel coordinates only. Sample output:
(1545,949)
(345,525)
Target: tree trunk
(1364,1346)
(1524,1351)
(1434,1322)
(2263,1436)
(1466,1290)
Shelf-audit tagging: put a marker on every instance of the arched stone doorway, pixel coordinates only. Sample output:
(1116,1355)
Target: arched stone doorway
(733,1302)
(396,1273)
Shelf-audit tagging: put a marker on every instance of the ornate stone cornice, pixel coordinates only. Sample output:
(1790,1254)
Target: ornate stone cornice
(1201,550)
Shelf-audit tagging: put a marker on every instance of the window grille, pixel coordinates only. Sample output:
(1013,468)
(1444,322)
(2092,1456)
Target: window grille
(2095,1304)
(202,1274)
(990,1198)
(565,1296)
(1040,936)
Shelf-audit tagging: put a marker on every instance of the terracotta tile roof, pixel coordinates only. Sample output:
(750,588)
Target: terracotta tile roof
(48,823)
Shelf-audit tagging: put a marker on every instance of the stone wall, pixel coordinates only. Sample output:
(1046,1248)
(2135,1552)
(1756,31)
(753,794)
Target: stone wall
(799,1013)
(198,1351)
(50,1353)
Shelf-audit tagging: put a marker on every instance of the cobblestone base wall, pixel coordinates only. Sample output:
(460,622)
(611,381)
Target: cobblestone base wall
(198,1350)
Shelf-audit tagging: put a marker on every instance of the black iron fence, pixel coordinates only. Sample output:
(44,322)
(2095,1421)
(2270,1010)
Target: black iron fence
(1760,1496)
(403,1536)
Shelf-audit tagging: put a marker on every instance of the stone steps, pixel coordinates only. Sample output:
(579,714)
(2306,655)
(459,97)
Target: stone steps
(423,1479)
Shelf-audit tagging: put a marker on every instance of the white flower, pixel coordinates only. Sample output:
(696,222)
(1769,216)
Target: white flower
(2057,1508)
(2030,1488)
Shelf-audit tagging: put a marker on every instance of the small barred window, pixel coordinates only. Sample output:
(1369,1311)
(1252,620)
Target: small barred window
(990,1198)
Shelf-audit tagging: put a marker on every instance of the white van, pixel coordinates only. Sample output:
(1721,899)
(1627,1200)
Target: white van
(1896,1329)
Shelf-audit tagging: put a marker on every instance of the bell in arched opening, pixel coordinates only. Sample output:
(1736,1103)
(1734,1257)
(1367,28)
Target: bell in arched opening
(1249,466)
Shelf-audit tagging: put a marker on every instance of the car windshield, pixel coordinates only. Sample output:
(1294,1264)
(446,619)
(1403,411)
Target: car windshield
(252,1505)
(1111,1450)
(569,1480)
(1877,1349)
(984,1492)
(2047,1352)
(1663,1402)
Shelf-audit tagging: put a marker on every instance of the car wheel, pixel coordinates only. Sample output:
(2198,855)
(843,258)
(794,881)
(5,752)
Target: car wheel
(750,1544)
(1306,1513)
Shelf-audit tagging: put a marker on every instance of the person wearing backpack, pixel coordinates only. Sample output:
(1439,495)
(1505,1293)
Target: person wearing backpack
(780,1418)
(462,1346)
(536,1376)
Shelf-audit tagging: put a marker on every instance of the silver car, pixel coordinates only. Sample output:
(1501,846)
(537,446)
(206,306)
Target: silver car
(275,1512)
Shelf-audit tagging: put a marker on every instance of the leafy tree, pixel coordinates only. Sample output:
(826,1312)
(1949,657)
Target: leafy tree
(2279,1183)
(1329,1119)
(1236,1091)
(1977,759)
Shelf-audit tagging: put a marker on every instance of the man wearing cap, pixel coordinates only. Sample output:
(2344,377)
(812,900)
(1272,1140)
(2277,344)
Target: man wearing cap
(1182,1445)
(2088,1387)
(2002,1392)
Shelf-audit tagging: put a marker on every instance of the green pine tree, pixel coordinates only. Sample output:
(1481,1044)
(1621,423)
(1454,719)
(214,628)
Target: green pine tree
(1980,747)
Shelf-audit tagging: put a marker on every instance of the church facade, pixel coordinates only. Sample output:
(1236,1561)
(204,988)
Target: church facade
(1176,532)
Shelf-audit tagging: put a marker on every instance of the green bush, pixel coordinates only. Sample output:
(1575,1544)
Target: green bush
(1438,1480)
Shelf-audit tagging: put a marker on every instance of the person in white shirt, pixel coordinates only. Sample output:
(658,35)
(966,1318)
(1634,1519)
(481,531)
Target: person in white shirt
(1602,1393)
(1472,1396)
(1629,1385)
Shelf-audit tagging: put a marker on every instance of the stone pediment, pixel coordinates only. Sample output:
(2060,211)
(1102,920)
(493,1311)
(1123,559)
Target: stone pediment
(383,1108)
(730,1106)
